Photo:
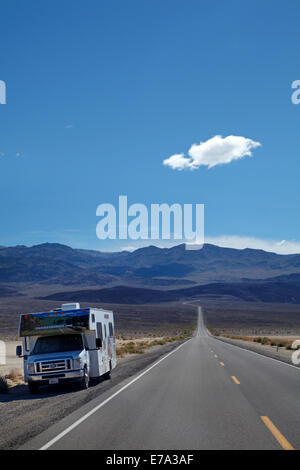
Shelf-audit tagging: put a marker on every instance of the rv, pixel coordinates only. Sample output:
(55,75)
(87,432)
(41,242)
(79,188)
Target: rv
(68,344)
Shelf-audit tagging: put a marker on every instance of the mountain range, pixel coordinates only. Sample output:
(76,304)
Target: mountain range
(52,263)
(259,291)
(151,274)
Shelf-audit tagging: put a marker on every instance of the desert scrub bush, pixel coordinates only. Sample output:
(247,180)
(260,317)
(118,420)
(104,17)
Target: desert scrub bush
(119,352)
(257,340)
(173,338)
(239,337)
(265,340)
(157,342)
(131,348)
(3,385)
(213,331)
(281,343)
(14,374)
(140,347)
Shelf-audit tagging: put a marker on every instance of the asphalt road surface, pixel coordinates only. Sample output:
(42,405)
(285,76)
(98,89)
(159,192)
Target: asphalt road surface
(205,394)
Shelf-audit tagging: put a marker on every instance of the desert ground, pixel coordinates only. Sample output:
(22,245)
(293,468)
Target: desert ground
(231,316)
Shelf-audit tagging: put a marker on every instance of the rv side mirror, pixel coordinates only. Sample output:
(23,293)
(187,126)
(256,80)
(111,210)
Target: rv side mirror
(98,343)
(19,351)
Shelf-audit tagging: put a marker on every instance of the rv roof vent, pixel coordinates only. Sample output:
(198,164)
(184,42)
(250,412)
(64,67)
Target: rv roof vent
(74,306)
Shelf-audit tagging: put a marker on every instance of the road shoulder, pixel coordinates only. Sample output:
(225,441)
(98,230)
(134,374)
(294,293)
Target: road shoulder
(282,356)
(24,416)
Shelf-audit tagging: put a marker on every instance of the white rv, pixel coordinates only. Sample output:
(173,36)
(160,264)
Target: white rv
(68,344)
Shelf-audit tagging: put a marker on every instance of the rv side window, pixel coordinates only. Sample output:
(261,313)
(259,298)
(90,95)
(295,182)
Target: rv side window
(26,344)
(111,329)
(99,335)
(93,318)
(99,330)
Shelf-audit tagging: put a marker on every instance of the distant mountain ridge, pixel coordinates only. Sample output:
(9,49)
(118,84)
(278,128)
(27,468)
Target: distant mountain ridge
(276,292)
(53,263)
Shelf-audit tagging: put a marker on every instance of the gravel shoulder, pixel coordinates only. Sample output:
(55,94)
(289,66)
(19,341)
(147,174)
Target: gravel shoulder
(23,416)
(281,354)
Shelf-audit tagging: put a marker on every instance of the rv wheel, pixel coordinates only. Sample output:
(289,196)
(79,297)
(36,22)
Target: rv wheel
(108,374)
(33,388)
(85,380)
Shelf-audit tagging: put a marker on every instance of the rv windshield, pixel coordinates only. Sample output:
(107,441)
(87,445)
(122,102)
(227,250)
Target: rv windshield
(58,343)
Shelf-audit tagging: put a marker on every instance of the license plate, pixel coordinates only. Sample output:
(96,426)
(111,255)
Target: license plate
(53,381)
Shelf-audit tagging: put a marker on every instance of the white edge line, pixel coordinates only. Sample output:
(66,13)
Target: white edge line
(258,354)
(87,415)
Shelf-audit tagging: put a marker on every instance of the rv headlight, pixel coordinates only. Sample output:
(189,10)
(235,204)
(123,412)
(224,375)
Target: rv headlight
(77,363)
(30,368)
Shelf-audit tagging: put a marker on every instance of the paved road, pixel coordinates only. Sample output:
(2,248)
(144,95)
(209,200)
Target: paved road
(206,394)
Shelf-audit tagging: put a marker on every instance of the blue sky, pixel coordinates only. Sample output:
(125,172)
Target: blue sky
(100,93)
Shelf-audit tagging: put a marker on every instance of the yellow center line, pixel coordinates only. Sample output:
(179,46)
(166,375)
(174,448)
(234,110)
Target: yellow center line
(235,380)
(222,364)
(277,434)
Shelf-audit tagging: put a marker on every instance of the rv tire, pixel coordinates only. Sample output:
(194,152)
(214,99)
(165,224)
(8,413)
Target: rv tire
(107,375)
(33,388)
(85,380)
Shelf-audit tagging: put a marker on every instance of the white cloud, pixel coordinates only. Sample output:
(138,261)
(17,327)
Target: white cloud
(282,247)
(215,151)
(133,245)
(10,155)
(177,161)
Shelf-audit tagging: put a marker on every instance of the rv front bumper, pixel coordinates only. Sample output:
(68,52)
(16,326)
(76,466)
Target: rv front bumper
(67,376)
